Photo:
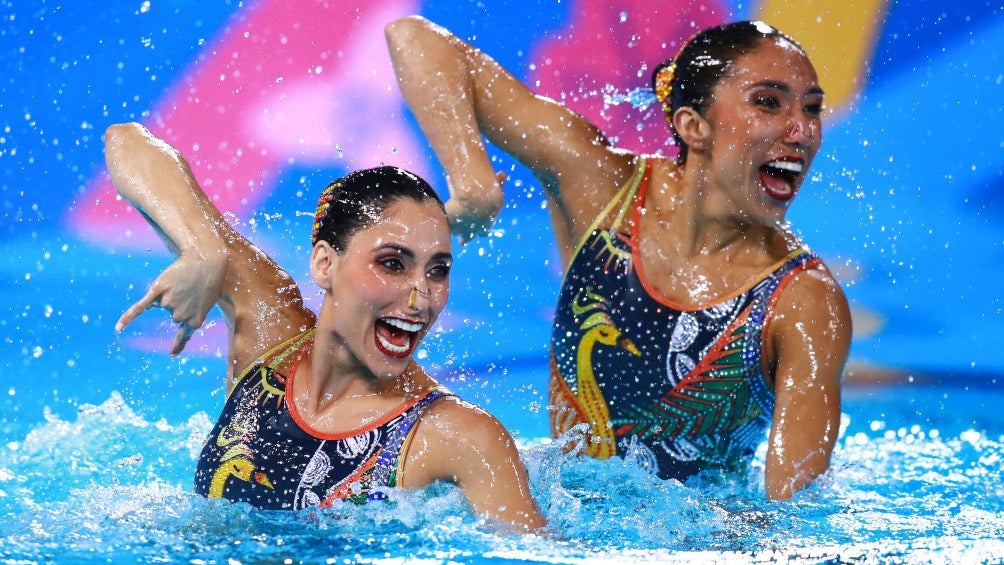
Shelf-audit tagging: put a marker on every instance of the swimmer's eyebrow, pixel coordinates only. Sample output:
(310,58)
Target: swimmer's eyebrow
(402,250)
(785,87)
(397,248)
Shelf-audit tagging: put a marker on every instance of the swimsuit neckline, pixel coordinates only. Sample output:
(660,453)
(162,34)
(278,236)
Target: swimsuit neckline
(294,413)
(637,196)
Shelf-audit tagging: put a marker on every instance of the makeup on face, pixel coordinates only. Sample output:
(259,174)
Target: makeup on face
(391,284)
(767,112)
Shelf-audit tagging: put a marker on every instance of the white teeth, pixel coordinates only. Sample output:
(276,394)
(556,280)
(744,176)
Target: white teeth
(403,325)
(390,346)
(793,166)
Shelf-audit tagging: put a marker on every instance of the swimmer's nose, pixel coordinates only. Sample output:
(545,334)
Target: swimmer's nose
(801,129)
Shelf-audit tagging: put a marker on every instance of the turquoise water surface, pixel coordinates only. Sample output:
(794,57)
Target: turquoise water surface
(99,431)
(108,485)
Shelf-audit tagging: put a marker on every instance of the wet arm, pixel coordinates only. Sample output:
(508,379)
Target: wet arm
(811,334)
(458,93)
(460,443)
(214,263)
(156,180)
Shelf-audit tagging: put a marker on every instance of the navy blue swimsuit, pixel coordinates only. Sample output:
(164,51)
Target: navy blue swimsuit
(260,452)
(680,389)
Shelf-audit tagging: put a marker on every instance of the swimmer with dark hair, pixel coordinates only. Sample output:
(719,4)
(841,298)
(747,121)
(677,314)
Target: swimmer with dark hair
(332,406)
(691,322)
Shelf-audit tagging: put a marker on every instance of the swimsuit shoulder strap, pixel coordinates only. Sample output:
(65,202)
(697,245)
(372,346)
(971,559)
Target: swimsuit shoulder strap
(619,206)
(631,194)
(766,295)
(281,353)
(276,356)
(387,471)
(799,260)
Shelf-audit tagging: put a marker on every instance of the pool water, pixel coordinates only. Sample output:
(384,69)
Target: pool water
(99,434)
(99,431)
(915,478)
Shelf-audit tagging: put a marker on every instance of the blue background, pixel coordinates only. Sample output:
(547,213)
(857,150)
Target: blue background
(905,205)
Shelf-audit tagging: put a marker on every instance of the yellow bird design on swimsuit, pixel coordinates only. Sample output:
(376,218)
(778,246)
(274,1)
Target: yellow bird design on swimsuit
(599,328)
(698,397)
(236,462)
(239,468)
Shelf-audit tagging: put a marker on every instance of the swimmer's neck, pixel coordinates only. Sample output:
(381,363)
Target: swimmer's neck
(686,195)
(330,375)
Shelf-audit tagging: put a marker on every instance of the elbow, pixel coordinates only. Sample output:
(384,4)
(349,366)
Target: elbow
(118,133)
(116,142)
(118,138)
(114,136)
(404,31)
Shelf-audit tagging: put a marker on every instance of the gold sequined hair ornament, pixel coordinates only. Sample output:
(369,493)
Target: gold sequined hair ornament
(664,81)
(323,203)
(664,88)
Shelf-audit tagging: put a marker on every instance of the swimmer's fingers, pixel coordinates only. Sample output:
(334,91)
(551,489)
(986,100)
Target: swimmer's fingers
(189,291)
(150,300)
(182,291)
(181,337)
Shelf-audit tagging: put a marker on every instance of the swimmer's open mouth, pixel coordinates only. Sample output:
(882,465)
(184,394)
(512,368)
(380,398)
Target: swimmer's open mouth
(780,178)
(397,337)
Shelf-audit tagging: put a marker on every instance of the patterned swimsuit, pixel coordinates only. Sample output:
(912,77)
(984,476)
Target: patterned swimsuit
(680,389)
(260,452)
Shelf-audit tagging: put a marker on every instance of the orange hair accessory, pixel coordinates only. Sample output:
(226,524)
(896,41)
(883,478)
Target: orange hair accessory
(323,203)
(664,88)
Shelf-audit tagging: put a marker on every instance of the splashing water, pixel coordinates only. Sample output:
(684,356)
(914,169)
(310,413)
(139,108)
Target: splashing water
(111,485)
(640,98)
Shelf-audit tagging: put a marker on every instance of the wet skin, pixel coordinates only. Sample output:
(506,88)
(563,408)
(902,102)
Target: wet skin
(372,280)
(709,226)
(765,131)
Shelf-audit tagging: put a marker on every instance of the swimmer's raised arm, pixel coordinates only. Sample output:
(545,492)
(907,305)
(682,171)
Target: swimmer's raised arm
(155,178)
(458,93)
(215,264)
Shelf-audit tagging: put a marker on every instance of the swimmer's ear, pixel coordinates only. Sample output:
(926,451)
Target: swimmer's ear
(323,263)
(692,128)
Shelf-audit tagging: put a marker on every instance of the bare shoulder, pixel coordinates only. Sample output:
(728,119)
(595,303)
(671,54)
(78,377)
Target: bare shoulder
(456,417)
(266,306)
(454,439)
(814,295)
(812,312)
(818,282)
(600,177)
(458,442)
(582,187)
(814,282)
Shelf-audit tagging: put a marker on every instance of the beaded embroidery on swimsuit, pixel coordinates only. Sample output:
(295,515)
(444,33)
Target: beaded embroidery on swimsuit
(258,453)
(680,390)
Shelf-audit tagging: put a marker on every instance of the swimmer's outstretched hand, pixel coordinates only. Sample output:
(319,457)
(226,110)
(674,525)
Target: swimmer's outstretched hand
(188,289)
(472,215)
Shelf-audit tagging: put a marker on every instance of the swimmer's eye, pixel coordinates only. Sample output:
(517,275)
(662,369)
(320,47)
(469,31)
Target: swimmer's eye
(814,109)
(767,101)
(392,264)
(439,272)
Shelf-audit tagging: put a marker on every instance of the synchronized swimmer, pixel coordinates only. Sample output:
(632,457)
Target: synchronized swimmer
(690,319)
